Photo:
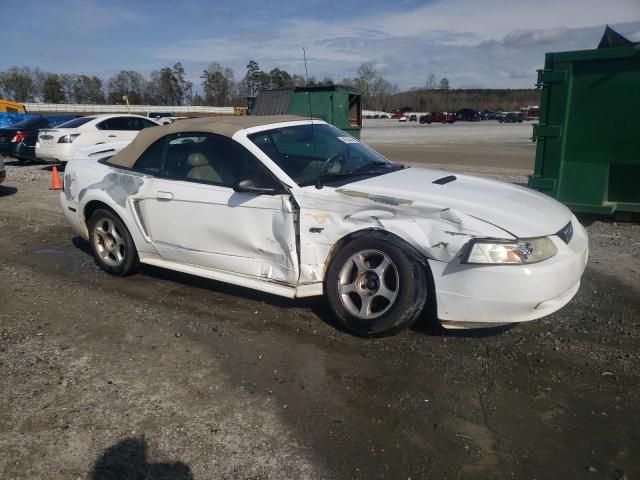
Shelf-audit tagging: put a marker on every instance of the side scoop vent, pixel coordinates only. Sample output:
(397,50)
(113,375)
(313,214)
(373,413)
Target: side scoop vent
(445,180)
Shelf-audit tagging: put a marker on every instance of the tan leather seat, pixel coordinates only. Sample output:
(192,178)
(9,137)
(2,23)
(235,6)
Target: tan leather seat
(201,169)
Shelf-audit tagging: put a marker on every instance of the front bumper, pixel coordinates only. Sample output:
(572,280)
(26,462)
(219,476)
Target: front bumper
(471,296)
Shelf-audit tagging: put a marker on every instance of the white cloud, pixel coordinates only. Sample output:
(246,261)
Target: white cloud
(489,43)
(87,16)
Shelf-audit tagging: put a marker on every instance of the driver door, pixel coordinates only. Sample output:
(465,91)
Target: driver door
(195,216)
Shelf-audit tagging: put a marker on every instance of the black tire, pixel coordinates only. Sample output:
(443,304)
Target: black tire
(411,289)
(115,252)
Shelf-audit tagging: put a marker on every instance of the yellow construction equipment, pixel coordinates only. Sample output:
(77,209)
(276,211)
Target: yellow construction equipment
(11,107)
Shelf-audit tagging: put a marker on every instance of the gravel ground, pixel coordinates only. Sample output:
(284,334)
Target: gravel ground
(167,376)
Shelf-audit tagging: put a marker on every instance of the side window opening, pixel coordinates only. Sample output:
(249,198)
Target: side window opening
(212,159)
(203,158)
(150,162)
(115,123)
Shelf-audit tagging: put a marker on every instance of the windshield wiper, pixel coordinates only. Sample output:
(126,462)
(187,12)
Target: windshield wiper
(360,171)
(330,176)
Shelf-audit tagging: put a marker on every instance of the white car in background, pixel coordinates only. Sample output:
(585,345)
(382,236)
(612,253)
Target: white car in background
(60,144)
(298,208)
(163,118)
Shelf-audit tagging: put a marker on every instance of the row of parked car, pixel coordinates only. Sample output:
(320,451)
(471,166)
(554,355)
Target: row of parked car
(465,114)
(55,138)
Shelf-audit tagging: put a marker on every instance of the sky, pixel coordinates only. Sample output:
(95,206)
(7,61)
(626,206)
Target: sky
(474,43)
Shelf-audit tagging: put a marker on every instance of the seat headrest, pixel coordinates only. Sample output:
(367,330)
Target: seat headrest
(197,160)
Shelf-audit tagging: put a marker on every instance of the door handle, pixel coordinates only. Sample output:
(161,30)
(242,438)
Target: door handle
(112,136)
(165,196)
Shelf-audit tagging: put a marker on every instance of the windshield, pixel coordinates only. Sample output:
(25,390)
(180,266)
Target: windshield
(311,153)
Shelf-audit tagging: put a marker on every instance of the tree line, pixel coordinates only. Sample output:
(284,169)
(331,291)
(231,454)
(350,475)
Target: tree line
(218,87)
(166,86)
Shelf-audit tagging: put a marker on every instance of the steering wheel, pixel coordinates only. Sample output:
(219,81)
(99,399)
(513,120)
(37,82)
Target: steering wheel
(333,164)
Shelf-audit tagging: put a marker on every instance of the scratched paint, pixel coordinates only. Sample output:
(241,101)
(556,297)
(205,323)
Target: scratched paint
(119,186)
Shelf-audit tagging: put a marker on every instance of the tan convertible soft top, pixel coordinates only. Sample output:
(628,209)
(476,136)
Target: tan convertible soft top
(226,126)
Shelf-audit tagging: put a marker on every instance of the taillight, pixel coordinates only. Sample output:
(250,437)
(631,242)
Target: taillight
(68,138)
(19,137)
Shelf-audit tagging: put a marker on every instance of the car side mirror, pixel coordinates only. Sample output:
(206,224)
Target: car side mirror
(248,185)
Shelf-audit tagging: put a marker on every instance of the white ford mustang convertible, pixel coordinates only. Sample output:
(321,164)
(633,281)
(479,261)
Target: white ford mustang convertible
(296,207)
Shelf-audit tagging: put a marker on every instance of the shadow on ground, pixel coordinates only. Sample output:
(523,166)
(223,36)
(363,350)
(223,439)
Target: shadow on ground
(6,191)
(587,219)
(127,460)
(426,324)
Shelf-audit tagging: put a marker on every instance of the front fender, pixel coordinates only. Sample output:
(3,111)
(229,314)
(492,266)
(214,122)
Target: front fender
(431,233)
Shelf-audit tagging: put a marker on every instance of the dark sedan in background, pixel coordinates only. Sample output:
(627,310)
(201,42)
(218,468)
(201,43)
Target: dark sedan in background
(19,140)
(468,115)
(438,117)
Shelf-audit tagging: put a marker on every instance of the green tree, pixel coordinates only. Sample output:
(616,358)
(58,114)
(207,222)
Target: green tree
(68,82)
(169,89)
(279,79)
(252,78)
(185,87)
(365,80)
(217,85)
(53,89)
(19,84)
(373,87)
(88,89)
(129,83)
(444,84)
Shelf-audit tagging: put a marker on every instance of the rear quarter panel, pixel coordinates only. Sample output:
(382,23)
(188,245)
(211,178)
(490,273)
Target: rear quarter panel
(87,181)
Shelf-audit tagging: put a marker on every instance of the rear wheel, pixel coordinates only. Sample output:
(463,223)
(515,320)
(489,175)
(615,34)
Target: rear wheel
(112,244)
(374,288)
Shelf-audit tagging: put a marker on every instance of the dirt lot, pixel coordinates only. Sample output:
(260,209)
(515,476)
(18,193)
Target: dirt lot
(167,376)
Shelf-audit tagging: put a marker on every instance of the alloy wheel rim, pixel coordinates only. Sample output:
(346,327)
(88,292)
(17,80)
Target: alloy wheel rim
(109,242)
(368,284)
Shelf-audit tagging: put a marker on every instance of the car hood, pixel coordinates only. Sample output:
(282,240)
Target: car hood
(517,210)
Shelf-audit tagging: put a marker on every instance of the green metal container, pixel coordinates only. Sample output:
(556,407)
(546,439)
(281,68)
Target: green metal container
(588,151)
(338,105)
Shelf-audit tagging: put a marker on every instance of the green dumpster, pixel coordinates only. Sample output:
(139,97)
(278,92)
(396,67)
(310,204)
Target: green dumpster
(588,150)
(339,105)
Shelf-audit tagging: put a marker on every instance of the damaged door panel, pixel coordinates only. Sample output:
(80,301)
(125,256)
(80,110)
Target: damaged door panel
(214,227)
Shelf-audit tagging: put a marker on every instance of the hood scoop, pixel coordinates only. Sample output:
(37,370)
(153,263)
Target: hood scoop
(445,180)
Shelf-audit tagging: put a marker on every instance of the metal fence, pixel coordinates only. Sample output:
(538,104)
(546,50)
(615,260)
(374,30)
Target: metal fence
(144,109)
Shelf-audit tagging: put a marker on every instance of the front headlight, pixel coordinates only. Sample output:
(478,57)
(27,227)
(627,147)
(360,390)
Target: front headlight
(517,252)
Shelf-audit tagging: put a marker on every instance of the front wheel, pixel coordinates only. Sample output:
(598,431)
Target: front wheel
(112,244)
(374,288)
